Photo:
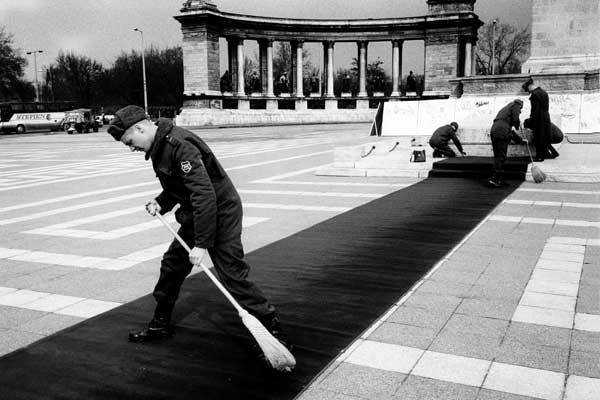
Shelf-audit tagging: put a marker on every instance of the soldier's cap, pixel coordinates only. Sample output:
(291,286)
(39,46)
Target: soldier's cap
(525,86)
(455,125)
(519,102)
(125,118)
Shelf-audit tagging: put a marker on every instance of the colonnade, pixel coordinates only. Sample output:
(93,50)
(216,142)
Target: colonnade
(236,66)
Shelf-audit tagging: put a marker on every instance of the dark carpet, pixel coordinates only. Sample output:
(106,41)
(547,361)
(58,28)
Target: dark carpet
(329,282)
(479,167)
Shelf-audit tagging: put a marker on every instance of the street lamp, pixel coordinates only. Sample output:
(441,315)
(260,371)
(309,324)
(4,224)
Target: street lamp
(143,70)
(494,22)
(37,89)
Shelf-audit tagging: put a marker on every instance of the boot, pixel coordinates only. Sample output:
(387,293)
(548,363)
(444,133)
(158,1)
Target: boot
(158,328)
(494,181)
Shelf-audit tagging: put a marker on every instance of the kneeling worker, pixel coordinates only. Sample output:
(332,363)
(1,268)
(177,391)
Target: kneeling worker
(210,215)
(503,130)
(440,138)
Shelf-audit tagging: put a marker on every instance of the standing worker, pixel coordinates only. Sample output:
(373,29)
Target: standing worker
(539,119)
(210,215)
(503,130)
(440,138)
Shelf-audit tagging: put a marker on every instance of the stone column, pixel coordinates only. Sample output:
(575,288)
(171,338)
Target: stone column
(262,56)
(468,60)
(294,62)
(232,62)
(240,68)
(328,66)
(299,78)
(396,66)
(362,68)
(270,68)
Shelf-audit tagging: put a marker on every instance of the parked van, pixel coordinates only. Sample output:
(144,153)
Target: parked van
(26,122)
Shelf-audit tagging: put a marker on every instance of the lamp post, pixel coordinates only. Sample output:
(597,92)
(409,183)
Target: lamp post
(493,44)
(37,89)
(143,70)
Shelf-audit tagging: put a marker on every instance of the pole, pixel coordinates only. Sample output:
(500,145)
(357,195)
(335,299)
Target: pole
(143,70)
(37,86)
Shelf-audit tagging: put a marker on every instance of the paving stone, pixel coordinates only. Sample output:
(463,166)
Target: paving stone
(487,308)
(445,288)
(467,345)
(476,325)
(11,340)
(419,388)
(590,274)
(433,319)
(49,324)
(13,317)
(525,381)
(586,341)
(584,364)
(405,335)
(508,292)
(582,388)
(452,368)
(539,334)
(533,356)
(361,381)
(316,393)
(588,299)
(432,301)
(486,394)
(455,276)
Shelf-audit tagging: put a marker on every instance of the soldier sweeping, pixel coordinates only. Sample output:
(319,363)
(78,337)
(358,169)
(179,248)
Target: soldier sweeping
(503,130)
(210,215)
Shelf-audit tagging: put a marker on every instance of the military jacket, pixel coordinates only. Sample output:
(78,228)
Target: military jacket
(191,176)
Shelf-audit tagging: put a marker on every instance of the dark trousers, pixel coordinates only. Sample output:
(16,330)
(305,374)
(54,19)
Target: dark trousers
(443,150)
(229,263)
(500,148)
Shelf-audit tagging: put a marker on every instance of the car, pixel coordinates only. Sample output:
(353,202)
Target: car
(99,120)
(26,122)
(107,118)
(80,120)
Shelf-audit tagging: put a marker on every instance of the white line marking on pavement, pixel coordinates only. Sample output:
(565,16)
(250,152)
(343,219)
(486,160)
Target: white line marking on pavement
(76,196)
(552,203)
(551,293)
(42,214)
(296,207)
(592,192)
(546,221)
(278,160)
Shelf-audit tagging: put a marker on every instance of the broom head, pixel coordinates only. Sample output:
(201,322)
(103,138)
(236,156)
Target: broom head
(276,353)
(538,175)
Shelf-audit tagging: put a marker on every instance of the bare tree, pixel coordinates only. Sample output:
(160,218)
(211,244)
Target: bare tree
(508,45)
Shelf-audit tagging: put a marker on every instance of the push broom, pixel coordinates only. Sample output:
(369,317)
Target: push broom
(276,353)
(538,175)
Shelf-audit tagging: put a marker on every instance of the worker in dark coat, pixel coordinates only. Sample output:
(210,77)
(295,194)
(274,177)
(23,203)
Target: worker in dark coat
(556,136)
(503,130)
(539,119)
(210,215)
(440,138)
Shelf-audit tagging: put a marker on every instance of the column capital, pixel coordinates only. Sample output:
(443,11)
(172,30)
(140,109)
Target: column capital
(397,42)
(266,41)
(362,43)
(299,42)
(329,43)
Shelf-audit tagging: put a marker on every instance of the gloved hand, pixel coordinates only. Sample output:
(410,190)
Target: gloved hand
(463,153)
(153,207)
(196,255)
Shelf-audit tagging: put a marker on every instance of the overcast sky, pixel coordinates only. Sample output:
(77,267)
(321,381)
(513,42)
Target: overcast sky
(102,29)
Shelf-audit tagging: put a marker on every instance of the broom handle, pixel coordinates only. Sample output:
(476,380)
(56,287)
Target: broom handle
(204,268)
(527,145)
